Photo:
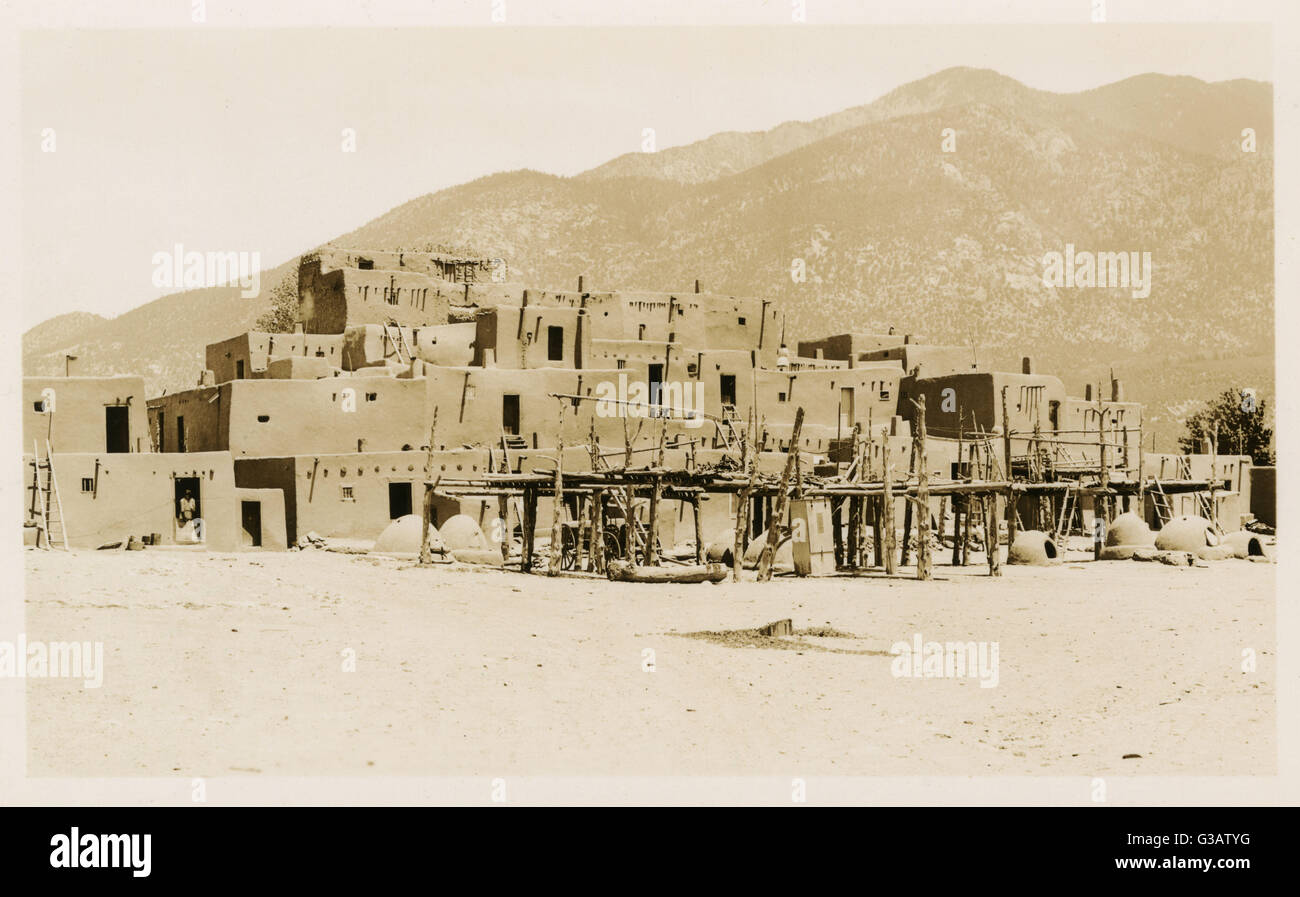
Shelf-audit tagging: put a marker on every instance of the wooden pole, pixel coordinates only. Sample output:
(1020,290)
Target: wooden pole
(742,505)
(426,556)
(778,511)
(1006,451)
(503,513)
(907,511)
(888,512)
(699,530)
(598,530)
(530,527)
(922,498)
(557,501)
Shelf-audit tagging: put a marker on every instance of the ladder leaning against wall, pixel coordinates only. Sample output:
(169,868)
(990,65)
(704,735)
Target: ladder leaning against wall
(47,506)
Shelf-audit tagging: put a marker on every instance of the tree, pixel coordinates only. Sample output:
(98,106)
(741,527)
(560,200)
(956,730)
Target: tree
(283,313)
(1240,417)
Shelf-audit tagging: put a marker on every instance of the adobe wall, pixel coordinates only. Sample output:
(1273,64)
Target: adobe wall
(435,265)
(1029,398)
(520,338)
(203,412)
(272,520)
(256,348)
(924,361)
(271,473)
(848,346)
(108,497)
(276,418)
(448,345)
(78,422)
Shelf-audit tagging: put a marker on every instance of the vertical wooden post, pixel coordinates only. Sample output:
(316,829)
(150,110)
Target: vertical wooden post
(503,514)
(598,530)
(907,510)
(922,498)
(530,527)
(699,530)
(652,530)
(1006,450)
(557,508)
(991,535)
(742,505)
(426,556)
(887,512)
(782,496)
(1214,475)
(837,534)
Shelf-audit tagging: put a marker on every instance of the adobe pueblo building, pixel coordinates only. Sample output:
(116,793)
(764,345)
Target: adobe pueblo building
(651,427)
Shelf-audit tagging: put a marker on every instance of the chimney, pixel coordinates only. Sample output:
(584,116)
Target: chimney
(1205,445)
(1087,392)
(1026,365)
(297,327)
(699,285)
(1116,390)
(907,339)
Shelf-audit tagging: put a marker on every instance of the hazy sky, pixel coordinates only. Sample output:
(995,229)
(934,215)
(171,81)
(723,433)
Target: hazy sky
(230,140)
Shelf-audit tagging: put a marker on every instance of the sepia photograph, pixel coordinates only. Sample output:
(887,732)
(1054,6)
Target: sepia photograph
(620,404)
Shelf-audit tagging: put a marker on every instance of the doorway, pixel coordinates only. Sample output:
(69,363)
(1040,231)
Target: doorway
(188,504)
(399,500)
(656,377)
(250,515)
(510,414)
(117,428)
(727,389)
(846,409)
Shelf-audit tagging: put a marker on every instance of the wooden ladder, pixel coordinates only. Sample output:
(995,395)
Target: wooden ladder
(391,327)
(45,498)
(1160,499)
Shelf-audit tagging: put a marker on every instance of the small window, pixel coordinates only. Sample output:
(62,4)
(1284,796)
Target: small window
(346,493)
(372,396)
(365,264)
(263,418)
(87,484)
(742,322)
(554,343)
(39,406)
(622,363)
(239,369)
(780,397)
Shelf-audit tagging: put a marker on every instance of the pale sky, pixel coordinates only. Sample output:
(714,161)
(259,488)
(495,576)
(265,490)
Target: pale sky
(229,140)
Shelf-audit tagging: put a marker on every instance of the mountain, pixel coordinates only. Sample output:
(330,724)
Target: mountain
(891,230)
(1185,112)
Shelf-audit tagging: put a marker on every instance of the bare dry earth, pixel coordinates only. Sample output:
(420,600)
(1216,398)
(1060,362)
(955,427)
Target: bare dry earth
(229,664)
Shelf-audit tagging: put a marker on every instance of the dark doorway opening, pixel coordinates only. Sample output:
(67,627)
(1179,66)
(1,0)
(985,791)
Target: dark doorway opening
(554,343)
(656,377)
(162,431)
(180,433)
(727,389)
(250,515)
(117,428)
(188,504)
(399,500)
(510,415)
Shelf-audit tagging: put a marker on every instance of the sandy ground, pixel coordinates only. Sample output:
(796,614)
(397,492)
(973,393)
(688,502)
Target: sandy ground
(230,664)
